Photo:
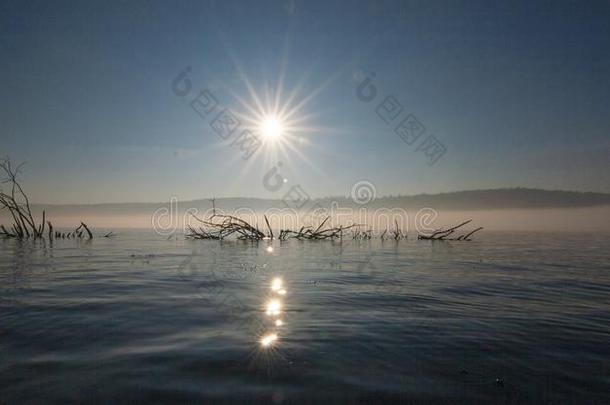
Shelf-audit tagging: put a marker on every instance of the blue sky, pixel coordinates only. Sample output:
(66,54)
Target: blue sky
(517,93)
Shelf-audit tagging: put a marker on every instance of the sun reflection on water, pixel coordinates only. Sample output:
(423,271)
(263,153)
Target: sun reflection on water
(273,309)
(268,339)
(276,284)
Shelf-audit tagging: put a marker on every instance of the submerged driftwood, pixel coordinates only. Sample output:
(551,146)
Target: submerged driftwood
(220,226)
(17,203)
(318,233)
(443,234)
(395,234)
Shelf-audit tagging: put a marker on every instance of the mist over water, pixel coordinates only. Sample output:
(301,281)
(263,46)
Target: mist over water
(510,317)
(556,219)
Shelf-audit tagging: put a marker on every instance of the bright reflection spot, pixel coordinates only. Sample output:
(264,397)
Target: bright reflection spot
(274,307)
(267,340)
(276,284)
(269,249)
(271,128)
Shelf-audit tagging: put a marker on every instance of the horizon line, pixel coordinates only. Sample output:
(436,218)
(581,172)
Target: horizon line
(327,197)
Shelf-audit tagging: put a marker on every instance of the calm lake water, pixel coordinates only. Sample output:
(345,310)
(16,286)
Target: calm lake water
(507,318)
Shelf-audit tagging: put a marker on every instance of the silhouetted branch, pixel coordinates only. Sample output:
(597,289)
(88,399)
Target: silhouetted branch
(17,203)
(443,234)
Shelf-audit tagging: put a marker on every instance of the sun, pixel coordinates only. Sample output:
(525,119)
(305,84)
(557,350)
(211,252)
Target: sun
(277,118)
(271,128)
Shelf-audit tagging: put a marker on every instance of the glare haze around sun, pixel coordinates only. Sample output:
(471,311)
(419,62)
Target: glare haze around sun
(280,118)
(271,128)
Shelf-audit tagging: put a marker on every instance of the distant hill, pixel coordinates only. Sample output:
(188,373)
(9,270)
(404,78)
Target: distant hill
(499,199)
(513,198)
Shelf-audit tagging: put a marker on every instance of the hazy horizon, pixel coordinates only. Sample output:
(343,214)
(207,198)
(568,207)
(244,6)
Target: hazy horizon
(508,209)
(333,196)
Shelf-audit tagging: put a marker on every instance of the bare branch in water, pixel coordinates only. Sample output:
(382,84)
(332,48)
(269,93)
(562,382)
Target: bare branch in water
(443,234)
(17,203)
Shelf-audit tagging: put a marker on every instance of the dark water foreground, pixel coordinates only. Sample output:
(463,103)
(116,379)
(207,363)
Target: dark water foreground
(510,318)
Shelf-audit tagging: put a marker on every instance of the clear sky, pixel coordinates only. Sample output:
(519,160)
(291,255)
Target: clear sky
(517,93)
